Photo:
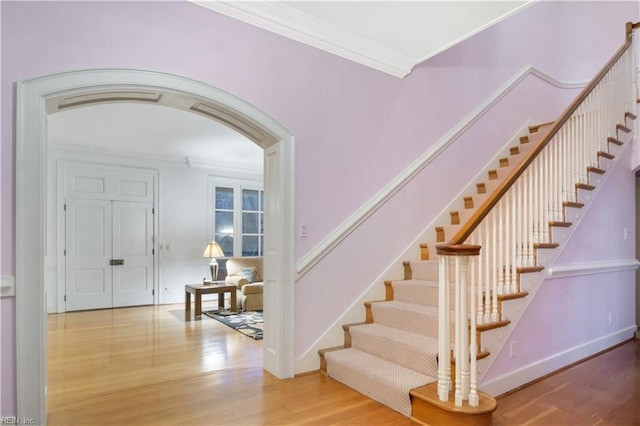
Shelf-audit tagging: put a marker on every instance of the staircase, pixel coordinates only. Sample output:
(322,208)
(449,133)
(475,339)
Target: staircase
(396,350)
(393,357)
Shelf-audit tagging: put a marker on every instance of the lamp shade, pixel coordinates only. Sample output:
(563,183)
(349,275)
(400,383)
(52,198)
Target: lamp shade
(213,250)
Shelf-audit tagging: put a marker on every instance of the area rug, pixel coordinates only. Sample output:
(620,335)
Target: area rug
(248,323)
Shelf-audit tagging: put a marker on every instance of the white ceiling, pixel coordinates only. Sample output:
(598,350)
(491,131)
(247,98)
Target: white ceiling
(154,132)
(390,36)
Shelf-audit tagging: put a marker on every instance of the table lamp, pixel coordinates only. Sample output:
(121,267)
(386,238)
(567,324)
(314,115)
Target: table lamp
(213,250)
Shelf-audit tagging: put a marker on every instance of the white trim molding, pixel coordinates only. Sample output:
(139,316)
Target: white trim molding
(360,216)
(31,175)
(287,21)
(229,167)
(590,268)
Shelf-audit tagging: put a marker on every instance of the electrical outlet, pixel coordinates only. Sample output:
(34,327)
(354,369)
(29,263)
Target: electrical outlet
(610,318)
(512,349)
(626,234)
(304,230)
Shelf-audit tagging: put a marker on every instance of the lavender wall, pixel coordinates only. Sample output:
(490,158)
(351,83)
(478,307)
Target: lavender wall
(355,128)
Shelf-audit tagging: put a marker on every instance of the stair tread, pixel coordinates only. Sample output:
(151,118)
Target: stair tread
(381,380)
(411,350)
(417,318)
(415,281)
(414,339)
(536,127)
(407,306)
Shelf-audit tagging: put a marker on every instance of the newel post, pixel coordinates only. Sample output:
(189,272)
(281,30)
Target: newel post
(465,352)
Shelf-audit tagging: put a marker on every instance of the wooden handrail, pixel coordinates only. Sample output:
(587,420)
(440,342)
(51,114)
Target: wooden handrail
(458,250)
(475,220)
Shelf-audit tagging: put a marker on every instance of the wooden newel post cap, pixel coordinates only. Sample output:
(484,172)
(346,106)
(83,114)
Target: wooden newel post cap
(458,250)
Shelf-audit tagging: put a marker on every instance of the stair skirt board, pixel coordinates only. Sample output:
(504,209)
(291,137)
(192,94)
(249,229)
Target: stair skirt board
(381,380)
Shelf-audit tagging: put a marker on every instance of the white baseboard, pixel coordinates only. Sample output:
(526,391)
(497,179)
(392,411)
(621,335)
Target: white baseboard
(529,373)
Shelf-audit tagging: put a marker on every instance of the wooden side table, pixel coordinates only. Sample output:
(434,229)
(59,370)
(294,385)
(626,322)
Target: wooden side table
(198,290)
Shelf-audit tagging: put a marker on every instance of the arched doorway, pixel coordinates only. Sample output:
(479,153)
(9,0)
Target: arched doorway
(31,153)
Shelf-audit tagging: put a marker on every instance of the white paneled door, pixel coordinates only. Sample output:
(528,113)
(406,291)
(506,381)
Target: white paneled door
(109,254)
(88,254)
(133,245)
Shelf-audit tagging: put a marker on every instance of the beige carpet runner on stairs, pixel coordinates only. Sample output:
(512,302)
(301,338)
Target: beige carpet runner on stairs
(397,352)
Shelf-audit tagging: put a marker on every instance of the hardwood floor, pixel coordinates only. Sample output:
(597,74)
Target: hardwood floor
(150,366)
(603,391)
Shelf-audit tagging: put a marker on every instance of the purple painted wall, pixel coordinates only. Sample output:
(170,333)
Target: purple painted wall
(355,128)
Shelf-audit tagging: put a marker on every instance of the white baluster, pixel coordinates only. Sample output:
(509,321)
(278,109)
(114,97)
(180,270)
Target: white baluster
(474,399)
(501,237)
(487,271)
(514,242)
(478,308)
(444,331)
(464,327)
(458,332)
(495,268)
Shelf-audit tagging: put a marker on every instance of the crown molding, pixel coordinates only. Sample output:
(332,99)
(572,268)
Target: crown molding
(477,30)
(114,155)
(288,22)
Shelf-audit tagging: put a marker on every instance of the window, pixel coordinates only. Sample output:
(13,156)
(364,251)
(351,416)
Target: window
(238,216)
(252,222)
(223,219)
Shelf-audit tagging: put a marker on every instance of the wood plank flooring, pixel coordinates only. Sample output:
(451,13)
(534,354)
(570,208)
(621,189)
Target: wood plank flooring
(603,391)
(152,366)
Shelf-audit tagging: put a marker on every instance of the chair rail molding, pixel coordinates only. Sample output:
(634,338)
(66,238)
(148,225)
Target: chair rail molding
(590,268)
(332,240)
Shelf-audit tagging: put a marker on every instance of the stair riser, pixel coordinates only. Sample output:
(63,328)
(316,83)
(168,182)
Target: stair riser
(415,293)
(416,358)
(375,378)
(427,271)
(426,325)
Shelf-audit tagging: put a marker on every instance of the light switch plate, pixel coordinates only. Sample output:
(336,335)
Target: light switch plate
(7,286)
